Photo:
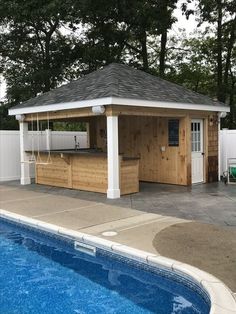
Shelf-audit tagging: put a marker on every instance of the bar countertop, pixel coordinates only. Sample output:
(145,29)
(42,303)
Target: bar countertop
(83,151)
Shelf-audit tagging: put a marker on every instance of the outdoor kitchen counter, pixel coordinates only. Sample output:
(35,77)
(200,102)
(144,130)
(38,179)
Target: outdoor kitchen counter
(85,169)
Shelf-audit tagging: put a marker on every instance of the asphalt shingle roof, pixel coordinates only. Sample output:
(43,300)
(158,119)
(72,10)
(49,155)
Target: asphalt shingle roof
(119,80)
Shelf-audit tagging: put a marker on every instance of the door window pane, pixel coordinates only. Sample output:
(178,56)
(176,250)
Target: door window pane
(196,136)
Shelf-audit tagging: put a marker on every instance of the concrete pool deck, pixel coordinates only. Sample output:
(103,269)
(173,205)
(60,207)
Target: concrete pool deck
(87,216)
(213,245)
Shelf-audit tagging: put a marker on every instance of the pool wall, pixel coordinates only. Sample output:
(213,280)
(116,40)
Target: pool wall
(221,297)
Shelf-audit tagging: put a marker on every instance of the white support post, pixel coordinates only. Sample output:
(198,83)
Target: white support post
(113,163)
(48,135)
(25,167)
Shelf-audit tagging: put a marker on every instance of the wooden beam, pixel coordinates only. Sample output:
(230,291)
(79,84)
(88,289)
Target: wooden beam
(91,132)
(61,115)
(114,110)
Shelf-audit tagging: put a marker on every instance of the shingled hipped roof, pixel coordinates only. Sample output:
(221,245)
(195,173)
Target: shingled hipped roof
(121,81)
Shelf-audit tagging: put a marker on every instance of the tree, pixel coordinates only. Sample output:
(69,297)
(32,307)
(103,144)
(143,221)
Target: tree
(35,52)
(191,62)
(121,30)
(146,20)
(221,15)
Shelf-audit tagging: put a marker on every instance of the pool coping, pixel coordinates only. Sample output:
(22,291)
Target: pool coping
(221,297)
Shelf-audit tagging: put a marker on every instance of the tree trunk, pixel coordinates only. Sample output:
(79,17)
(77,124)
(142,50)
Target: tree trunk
(163,53)
(47,82)
(228,58)
(220,92)
(143,41)
(232,114)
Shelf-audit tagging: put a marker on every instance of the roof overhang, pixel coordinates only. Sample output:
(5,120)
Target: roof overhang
(117,101)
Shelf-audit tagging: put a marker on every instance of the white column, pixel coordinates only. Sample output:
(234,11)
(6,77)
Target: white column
(25,167)
(48,135)
(113,163)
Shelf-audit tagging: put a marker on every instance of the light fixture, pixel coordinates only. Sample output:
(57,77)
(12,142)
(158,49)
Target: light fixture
(211,120)
(20,117)
(98,109)
(222,114)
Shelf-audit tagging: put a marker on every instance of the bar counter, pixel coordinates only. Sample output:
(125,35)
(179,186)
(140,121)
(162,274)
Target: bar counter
(85,169)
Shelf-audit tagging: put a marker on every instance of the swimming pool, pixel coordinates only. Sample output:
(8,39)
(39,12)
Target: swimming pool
(43,273)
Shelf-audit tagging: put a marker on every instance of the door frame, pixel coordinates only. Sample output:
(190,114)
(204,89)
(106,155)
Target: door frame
(204,125)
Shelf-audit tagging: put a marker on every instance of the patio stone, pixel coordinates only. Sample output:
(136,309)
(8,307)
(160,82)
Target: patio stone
(211,248)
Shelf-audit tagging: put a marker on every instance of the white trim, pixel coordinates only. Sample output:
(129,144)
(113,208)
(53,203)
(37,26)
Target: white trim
(117,101)
(194,153)
(166,104)
(63,106)
(221,297)
(113,193)
(25,181)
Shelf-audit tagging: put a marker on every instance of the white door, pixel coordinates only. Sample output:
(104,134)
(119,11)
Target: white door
(197,150)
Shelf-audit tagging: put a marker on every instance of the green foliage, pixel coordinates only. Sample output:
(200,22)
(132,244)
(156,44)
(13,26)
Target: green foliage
(69,126)
(44,43)
(36,55)
(220,15)
(7,122)
(192,63)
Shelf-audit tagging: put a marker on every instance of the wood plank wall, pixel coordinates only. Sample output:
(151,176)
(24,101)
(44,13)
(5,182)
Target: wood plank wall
(143,137)
(129,176)
(212,175)
(85,172)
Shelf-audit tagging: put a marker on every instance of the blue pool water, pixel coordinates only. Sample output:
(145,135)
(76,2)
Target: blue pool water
(42,274)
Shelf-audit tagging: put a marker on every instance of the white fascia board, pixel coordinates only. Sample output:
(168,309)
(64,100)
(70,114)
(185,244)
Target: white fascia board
(118,101)
(167,105)
(62,106)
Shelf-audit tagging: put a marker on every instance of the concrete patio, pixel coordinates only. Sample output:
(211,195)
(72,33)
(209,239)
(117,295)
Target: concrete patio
(158,219)
(211,203)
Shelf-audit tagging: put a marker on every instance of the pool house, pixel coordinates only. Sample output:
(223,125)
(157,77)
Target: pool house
(140,128)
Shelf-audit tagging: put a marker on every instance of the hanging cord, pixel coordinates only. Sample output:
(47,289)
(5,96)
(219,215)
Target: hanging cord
(32,157)
(39,132)
(49,151)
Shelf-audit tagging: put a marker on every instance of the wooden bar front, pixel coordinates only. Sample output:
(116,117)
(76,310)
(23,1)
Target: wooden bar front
(85,171)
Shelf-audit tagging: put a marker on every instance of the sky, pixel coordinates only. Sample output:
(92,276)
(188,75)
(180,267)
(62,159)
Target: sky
(182,22)
(190,24)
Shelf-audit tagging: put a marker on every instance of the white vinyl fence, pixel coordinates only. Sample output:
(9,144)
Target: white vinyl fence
(227,147)
(10,148)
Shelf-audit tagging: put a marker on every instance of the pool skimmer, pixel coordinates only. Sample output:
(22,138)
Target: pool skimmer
(85,248)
